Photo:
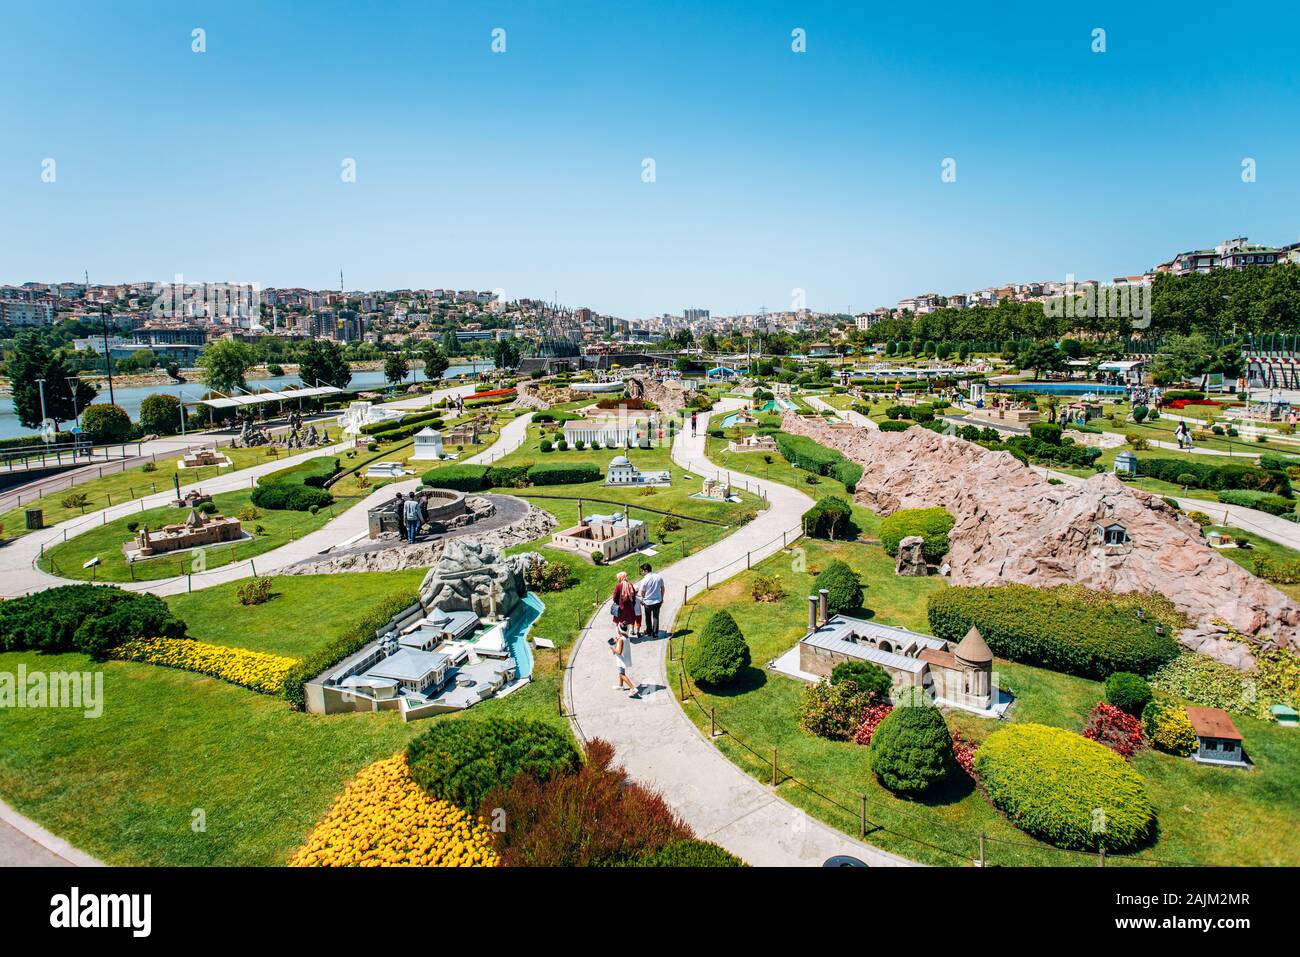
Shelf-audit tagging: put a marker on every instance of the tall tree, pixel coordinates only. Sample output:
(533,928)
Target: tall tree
(225,363)
(506,353)
(435,360)
(323,361)
(33,360)
(396,367)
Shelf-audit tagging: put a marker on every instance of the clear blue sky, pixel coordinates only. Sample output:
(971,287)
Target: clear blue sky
(522,170)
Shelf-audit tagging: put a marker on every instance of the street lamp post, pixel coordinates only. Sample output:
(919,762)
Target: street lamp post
(41,384)
(73,382)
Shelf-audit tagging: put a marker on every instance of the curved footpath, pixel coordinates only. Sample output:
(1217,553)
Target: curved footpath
(848,415)
(653,738)
(19,574)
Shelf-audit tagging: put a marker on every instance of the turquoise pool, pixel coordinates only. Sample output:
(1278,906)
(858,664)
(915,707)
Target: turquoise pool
(521,622)
(1058,388)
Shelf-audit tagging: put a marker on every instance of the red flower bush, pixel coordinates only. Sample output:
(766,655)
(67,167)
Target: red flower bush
(1116,729)
(964,752)
(874,715)
(592,817)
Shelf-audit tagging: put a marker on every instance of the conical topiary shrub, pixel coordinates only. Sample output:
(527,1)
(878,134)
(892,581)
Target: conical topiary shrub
(843,587)
(721,653)
(911,750)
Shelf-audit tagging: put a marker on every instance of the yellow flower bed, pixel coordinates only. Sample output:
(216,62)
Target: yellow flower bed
(384,819)
(252,669)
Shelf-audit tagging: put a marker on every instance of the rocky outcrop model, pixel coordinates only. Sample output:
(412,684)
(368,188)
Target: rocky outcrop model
(473,576)
(1014,526)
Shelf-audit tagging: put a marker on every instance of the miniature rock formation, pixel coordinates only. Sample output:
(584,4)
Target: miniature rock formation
(1013,526)
(911,558)
(472,576)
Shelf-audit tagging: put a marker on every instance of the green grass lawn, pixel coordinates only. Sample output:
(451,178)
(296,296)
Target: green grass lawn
(304,613)
(105,541)
(1206,815)
(119,487)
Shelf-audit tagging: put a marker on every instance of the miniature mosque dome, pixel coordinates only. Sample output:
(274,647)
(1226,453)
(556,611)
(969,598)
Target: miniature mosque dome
(973,649)
(439,616)
(620,460)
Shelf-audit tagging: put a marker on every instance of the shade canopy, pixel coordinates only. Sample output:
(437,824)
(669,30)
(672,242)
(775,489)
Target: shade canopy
(261,398)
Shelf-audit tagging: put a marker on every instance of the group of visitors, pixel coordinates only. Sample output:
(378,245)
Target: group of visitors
(1183,435)
(635,610)
(411,512)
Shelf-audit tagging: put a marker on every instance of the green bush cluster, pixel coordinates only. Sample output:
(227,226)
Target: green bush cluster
(1212,684)
(1216,477)
(563,473)
(313,473)
(461,761)
(381,430)
(843,587)
(1264,501)
(106,423)
(690,853)
(1062,451)
(911,749)
(811,456)
(1168,728)
(1064,789)
(721,654)
(1067,628)
(868,678)
(92,619)
(932,524)
(832,711)
(1128,692)
(894,425)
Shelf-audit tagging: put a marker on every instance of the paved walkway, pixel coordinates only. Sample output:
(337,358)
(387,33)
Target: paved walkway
(848,415)
(20,576)
(654,739)
(24,843)
(1272,527)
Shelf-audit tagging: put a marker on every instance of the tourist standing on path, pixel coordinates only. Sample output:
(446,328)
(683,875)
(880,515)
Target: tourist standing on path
(1182,435)
(623,606)
(692,423)
(412,515)
(651,592)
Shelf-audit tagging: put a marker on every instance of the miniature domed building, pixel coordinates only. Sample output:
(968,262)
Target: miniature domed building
(976,660)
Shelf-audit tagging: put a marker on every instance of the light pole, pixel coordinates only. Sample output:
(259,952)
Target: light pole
(73,382)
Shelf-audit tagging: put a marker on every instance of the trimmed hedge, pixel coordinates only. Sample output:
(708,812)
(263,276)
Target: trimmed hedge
(911,749)
(721,654)
(1264,501)
(811,456)
(313,473)
(461,478)
(92,619)
(461,761)
(1068,628)
(507,476)
(1216,477)
(433,420)
(1064,789)
(563,473)
(894,425)
(932,524)
(351,641)
(290,497)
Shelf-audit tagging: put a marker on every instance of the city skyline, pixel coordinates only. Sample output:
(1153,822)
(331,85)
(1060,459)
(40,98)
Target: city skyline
(523,170)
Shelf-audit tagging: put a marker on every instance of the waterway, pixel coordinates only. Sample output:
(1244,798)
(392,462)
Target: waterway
(130,397)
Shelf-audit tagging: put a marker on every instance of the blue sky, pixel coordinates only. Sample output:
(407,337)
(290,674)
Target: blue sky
(774,170)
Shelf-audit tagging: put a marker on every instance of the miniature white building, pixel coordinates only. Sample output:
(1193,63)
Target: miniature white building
(428,445)
(621,471)
(609,535)
(359,414)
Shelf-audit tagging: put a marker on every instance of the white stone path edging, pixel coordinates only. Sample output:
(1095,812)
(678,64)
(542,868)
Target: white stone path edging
(24,843)
(654,739)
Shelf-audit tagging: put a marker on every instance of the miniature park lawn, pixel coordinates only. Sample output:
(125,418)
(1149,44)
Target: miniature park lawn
(124,787)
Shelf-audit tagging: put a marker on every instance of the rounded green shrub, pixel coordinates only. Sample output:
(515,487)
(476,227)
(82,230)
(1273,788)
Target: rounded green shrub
(911,750)
(894,425)
(691,853)
(843,587)
(869,678)
(461,761)
(932,524)
(830,517)
(1064,789)
(1128,692)
(721,653)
